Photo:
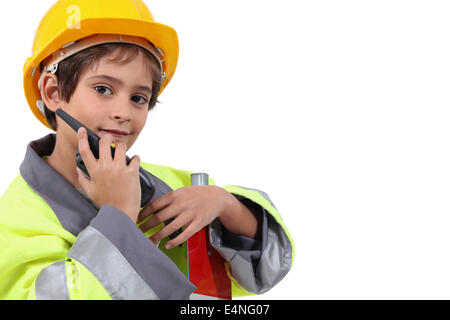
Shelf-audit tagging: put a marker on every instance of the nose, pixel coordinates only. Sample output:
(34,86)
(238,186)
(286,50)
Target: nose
(121,111)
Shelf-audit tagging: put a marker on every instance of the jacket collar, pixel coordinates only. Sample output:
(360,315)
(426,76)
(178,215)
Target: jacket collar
(72,209)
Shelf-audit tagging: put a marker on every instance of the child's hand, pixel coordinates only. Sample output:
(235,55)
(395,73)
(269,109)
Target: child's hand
(111,180)
(192,207)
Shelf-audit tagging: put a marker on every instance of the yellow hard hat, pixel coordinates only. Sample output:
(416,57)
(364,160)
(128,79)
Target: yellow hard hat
(70,26)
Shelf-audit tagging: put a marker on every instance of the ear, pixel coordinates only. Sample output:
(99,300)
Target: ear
(49,91)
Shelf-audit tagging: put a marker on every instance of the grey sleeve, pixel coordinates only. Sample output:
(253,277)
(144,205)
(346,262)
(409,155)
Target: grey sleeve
(257,265)
(247,247)
(243,253)
(128,265)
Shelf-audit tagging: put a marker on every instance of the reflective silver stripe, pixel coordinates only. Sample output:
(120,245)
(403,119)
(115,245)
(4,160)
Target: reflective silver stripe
(265,195)
(109,266)
(276,258)
(196,296)
(274,263)
(51,283)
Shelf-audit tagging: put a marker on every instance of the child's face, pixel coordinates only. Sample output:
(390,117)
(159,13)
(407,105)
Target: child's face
(108,107)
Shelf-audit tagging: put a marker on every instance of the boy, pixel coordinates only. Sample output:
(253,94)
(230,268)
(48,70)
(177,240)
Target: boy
(64,235)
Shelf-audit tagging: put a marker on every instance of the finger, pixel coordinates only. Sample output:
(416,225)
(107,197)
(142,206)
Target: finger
(120,152)
(184,236)
(172,227)
(85,151)
(105,147)
(146,211)
(156,205)
(160,217)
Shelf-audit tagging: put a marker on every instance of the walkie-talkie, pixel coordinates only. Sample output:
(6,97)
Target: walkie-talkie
(147,187)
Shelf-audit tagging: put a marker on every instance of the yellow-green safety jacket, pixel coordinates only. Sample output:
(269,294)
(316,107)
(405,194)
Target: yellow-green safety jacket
(56,244)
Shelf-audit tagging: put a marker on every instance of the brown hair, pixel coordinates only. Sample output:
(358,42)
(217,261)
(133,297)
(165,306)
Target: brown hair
(70,70)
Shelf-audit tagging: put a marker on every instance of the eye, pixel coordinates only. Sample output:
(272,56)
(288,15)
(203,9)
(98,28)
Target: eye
(102,88)
(142,99)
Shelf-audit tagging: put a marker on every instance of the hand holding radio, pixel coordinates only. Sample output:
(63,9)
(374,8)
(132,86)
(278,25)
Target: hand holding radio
(147,186)
(111,181)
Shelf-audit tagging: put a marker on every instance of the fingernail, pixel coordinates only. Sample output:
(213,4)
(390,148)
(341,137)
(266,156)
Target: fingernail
(168,246)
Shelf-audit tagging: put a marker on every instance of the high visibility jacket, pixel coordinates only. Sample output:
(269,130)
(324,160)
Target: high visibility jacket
(56,244)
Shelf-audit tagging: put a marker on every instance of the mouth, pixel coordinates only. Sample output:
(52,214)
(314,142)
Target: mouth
(115,132)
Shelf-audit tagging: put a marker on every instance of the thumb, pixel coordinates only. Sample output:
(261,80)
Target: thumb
(135,162)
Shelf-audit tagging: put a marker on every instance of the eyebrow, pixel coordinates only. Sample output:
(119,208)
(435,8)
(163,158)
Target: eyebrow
(120,82)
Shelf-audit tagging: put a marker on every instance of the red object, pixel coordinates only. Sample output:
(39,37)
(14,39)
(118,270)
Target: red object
(207,268)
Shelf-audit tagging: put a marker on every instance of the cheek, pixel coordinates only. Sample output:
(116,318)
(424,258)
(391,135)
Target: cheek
(89,117)
(85,109)
(141,124)
(140,121)
(138,125)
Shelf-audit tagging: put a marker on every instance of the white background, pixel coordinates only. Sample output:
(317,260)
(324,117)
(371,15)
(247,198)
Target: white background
(339,110)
